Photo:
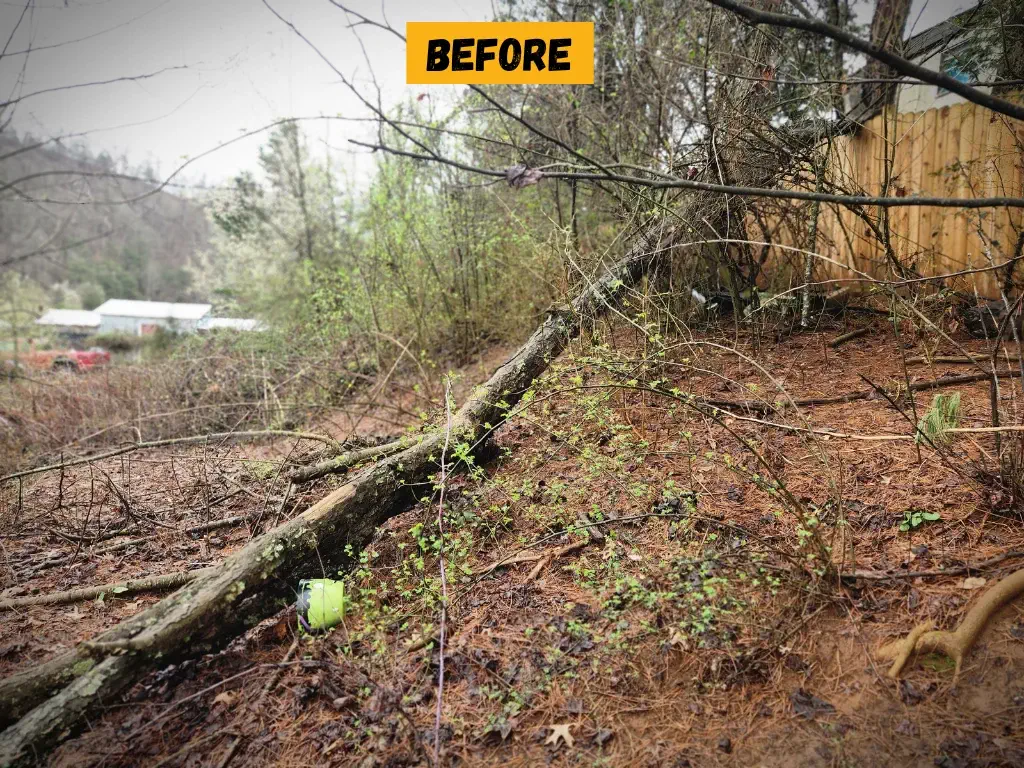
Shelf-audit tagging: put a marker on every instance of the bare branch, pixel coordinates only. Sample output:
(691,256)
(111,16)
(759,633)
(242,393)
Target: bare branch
(897,63)
(701,186)
(125,79)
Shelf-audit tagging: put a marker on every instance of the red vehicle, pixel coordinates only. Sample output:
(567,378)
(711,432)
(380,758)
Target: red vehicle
(66,359)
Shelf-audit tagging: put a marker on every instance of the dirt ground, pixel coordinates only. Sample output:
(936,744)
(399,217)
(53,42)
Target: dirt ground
(660,607)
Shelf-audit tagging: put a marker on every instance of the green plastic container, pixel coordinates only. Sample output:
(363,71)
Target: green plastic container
(321,604)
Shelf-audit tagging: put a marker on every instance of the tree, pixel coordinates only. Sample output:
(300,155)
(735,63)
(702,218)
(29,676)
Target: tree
(92,295)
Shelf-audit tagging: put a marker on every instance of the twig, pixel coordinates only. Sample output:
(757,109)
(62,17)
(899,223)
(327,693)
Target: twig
(275,678)
(849,397)
(232,750)
(595,533)
(881,438)
(518,557)
(284,503)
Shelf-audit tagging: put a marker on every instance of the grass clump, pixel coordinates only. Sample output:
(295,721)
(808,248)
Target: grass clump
(942,416)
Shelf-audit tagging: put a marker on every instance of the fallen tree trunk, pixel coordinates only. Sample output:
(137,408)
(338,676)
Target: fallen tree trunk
(50,701)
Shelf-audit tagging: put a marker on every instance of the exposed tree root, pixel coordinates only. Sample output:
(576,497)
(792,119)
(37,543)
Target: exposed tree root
(52,699)
(956,645)
(120,588)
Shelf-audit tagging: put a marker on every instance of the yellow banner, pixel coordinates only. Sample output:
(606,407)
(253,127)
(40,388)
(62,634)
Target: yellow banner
(499,52)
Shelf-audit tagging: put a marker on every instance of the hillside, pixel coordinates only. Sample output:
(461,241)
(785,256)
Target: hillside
(65,223)
(622,590)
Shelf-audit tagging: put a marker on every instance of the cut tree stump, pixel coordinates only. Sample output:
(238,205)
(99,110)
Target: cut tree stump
(45,705)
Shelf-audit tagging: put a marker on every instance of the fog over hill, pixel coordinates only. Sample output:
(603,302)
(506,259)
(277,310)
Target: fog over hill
(87,227)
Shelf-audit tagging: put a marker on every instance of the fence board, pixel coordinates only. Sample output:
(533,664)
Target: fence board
(962,150)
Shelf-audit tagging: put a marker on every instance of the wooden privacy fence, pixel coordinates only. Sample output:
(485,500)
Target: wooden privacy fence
(958,151)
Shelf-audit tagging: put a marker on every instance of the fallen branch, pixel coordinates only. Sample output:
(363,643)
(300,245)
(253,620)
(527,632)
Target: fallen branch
(956,645)
(955,359)
(549,556)
(192,530)
(956,571)
(213,525)
(344,462)
(120,588)
(117,546)
(880,438)
(760,406)
(838,341)
(174,441)
(882,54)
(257,580)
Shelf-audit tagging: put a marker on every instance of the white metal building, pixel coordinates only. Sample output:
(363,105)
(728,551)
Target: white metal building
(73,320)
(144,317)
(73,326)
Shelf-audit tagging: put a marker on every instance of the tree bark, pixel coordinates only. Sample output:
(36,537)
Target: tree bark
(258,580)
(887,25)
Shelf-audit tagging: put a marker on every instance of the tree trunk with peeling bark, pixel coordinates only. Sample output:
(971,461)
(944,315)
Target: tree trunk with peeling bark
(43,706)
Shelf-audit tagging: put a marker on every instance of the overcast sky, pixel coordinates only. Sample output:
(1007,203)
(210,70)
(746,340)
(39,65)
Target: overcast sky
(243,69)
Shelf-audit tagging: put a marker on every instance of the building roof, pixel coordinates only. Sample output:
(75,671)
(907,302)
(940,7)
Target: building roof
(231,323)
(862,104)
(942,34)
(78,318)
(155,310)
